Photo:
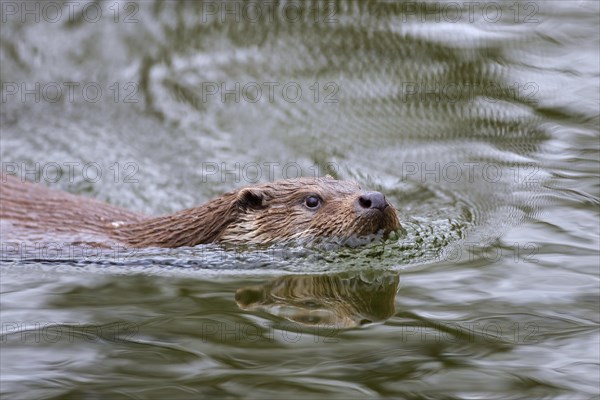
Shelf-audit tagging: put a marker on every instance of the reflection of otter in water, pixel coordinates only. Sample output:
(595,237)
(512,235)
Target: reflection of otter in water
(306,209)
(328,301)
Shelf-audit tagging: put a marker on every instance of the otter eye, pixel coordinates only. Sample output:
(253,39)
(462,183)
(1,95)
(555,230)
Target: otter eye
(312,202)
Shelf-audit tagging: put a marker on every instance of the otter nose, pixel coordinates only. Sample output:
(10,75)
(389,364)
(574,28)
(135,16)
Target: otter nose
(372,200)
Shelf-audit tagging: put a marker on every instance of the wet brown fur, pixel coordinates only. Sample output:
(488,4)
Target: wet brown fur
(260,214)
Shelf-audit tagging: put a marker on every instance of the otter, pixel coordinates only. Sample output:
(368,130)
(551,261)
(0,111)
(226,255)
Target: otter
(304,209)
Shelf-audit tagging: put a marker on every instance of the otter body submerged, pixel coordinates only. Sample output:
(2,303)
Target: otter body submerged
(306,209)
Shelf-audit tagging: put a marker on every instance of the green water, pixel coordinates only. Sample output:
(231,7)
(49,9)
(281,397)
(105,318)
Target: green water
(480,123)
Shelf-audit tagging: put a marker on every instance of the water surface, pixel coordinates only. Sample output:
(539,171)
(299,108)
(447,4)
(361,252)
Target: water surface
(481,128)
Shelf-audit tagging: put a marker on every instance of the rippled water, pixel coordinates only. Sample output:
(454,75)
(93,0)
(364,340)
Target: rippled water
(480,124)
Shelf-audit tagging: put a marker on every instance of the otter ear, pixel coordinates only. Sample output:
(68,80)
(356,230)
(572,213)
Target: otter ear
(251,199)
(249,296)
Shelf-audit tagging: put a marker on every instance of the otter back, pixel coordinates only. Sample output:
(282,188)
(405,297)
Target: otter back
(33,213)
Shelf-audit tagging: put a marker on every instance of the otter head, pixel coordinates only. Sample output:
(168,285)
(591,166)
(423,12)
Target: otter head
(309,210)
